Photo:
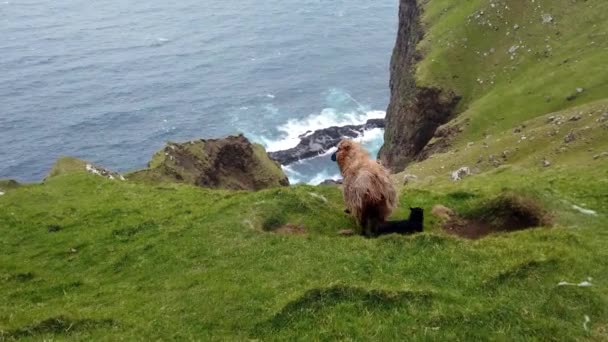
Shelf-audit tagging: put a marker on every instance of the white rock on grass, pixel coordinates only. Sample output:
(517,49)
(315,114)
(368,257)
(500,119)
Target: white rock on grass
(584,211)
(585,283)
(409,178)
(92,170)
(601,155)
(2,193)
(461,173)
(587,320)
(103,172)
(248,224)
(321,197)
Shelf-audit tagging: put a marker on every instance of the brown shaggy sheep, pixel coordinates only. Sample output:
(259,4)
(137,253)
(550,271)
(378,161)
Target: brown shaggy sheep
(368,191)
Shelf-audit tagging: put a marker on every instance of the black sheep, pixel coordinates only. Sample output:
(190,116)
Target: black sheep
(412,225)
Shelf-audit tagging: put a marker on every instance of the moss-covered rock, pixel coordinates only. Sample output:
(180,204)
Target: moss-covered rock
(8,184)
(229,163)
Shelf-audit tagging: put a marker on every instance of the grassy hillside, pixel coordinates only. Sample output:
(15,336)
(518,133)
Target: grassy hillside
(514,60)
(575,138)
(86,258)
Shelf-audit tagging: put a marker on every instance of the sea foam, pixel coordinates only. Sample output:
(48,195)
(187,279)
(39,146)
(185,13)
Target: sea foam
(328,117)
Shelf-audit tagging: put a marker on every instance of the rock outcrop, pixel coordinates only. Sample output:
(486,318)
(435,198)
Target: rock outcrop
(229,163)
(322,140)
(331,182)
(7,184)
(414,113)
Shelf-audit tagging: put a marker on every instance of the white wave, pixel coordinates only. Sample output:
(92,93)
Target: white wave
(270,96)
(160,41)
(372,140)
(290,170)
(328,152)
(294,176)
(323,176)
(371,135)
(293,129)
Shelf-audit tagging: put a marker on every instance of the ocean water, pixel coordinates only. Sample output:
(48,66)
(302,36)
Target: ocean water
(112,81)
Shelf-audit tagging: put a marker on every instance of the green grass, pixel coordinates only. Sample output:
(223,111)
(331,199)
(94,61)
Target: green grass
(268,168)
(465,54)
(88,258)
(541,139)
(66,165)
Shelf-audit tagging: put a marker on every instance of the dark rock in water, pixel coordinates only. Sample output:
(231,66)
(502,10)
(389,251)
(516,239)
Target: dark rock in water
(229,163)
(320,141)
(331,182)
(301,136)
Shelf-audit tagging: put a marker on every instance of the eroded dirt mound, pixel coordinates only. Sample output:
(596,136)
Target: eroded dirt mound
(229,163)
(506,213)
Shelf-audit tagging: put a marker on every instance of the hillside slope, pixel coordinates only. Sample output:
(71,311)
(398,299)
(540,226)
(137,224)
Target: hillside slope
(505,61)
(84,257)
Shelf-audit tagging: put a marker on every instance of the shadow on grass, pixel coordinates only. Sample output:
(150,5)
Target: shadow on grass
(59,325)
(529,270)
(314,305)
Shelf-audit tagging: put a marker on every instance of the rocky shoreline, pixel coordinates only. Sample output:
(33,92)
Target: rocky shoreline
(320,141)
(229,163)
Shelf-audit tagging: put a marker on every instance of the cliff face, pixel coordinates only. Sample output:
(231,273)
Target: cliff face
(414,112)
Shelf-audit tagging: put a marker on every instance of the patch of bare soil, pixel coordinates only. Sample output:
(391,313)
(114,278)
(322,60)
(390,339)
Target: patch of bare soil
(290,229)
(506,213)
(347,232)
(469,229)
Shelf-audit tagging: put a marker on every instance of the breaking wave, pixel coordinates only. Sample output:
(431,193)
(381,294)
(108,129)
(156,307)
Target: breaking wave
(291,131)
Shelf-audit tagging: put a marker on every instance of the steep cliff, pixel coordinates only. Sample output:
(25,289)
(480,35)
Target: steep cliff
(414,112)
(465,72)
